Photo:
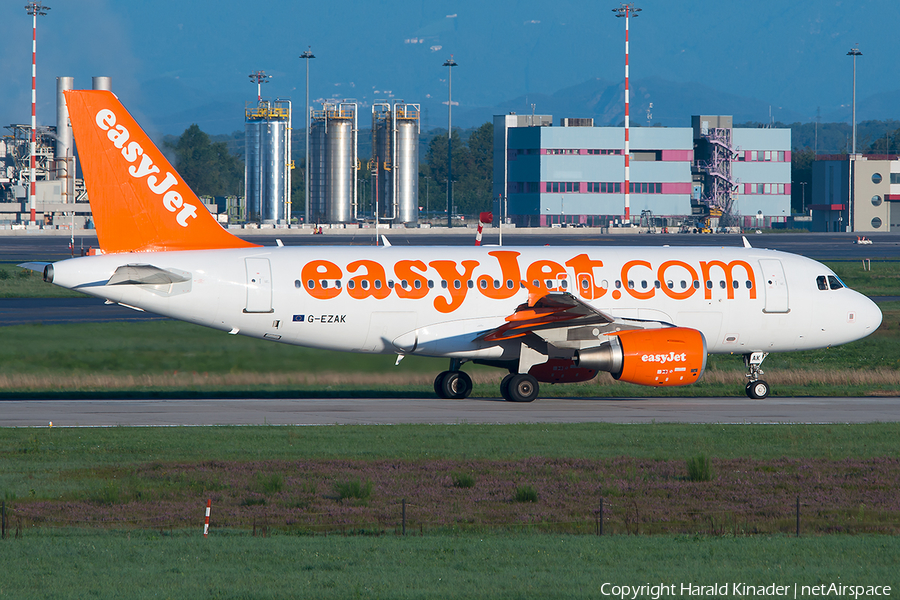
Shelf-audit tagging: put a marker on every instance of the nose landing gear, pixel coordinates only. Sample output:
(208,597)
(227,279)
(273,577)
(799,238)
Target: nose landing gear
(756,389)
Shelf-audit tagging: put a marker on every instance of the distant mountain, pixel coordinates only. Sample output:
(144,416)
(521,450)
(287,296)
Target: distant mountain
(176,107)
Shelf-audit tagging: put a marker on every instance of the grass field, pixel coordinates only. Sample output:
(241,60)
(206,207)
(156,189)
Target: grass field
(74,468)
(148,565)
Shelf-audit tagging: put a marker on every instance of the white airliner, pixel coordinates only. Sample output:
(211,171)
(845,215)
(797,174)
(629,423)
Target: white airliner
(647,315)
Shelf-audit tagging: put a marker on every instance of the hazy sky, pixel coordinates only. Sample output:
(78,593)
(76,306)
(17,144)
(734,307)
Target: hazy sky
(169,56)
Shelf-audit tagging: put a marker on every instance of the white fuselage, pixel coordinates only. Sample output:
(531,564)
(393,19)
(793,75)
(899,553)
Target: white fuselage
(365,299)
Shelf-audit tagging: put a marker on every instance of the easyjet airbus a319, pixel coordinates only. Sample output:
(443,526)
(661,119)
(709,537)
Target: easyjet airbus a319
(647,315)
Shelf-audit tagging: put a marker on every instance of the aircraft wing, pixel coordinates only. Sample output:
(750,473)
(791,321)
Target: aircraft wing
(550,311)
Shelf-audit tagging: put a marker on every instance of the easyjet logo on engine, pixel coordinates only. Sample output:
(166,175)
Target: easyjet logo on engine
(664,358)
(504,276)
(145,169)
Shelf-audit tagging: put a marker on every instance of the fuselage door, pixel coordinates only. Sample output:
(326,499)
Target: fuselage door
(776,286)
(259,285)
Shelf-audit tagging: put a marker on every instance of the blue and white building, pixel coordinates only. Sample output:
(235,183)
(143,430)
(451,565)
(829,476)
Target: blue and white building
(574,173)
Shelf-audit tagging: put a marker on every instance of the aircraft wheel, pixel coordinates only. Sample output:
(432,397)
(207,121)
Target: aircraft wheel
(504,386)
(522,387)
(758,390)
(455,385)
(439,384)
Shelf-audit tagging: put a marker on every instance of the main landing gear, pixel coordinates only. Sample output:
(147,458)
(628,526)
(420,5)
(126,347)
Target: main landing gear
(756,389)
(519,387)
(453,384)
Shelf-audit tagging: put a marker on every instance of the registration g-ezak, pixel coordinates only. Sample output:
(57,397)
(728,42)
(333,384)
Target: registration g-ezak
(647,315)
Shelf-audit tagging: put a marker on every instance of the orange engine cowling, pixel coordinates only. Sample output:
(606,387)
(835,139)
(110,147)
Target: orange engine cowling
(670,356)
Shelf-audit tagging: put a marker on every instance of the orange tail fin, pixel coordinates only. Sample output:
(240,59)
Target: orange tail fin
(139,202)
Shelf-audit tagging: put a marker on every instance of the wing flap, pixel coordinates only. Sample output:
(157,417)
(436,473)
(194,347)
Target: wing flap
(546,312)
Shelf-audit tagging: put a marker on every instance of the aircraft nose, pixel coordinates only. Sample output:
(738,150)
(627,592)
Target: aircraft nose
(868,315)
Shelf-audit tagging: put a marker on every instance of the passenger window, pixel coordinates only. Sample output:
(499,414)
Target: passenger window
(337,283)
(834,282)
(821,283)
(749,284)
(722,284)
(509,284)
(696,285)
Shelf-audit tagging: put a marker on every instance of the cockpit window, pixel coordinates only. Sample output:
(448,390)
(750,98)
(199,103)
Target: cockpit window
(821,282)
(834,282)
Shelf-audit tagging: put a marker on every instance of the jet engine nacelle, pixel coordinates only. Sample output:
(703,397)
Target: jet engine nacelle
(670,356)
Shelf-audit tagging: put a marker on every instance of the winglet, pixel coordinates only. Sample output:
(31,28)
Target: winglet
(138,200)
(746,242)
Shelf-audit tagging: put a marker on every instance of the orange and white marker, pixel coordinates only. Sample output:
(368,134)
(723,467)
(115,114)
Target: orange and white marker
(206,525)
(483,218)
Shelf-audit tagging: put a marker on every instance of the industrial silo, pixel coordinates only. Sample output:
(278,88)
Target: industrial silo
(395,143)
(333,164)
(267,175)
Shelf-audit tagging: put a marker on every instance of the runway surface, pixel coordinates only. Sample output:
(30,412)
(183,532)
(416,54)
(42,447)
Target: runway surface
(104,413)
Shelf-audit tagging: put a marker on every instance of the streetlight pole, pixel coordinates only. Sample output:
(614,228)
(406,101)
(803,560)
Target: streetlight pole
(854,52)
(307,55)
(34,9)
(450,64)
(627,10)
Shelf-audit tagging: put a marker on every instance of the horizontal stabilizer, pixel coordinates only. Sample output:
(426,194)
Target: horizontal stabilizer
(144,275)
(34,266)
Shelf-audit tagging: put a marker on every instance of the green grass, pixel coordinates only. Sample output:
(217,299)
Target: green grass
(16,282)
(882,280)
(37,455)
(67,564)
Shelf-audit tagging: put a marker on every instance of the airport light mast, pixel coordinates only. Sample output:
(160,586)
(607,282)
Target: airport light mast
(307,55)
(259,78)
(35,9)
(450,64)
(854,52)
(627,10)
